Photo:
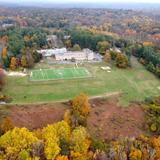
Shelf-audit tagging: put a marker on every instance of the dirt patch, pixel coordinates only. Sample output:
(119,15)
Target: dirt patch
(36,116)
(109,121)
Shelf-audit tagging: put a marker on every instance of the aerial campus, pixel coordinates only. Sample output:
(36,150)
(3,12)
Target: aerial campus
(78,83)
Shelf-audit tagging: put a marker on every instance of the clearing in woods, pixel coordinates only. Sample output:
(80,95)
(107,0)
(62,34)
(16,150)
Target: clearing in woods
(133,84)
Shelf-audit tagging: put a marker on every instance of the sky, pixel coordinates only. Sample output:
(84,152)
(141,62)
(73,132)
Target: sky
(79,1)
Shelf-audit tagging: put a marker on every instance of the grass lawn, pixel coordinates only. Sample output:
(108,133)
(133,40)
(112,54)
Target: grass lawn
(135,84)
(57,74)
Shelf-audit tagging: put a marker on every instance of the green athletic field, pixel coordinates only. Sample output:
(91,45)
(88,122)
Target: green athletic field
(56,74)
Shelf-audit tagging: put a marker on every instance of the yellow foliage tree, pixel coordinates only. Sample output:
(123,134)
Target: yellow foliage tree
(147,43)
(16,140)
(135,154)
(52,135)
(4,52)
(80,144)
(62,158)
(67,117)
(13,63)
(23,61)
(80,105)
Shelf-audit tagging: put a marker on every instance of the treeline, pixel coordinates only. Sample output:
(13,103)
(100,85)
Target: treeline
(78,39)
(19,46)
(148,56)
(87,39)
(70,140)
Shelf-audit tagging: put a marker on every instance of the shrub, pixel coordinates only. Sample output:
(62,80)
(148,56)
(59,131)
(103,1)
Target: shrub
(98,145)
(6,125)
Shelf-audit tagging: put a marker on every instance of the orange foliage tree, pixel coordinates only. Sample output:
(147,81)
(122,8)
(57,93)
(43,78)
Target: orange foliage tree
(13,63)
(80,105)
(6,125)
(121,61)
(156,145)
(80,109)
(107,57)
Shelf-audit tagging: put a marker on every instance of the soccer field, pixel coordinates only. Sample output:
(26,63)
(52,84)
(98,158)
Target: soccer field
(56,74)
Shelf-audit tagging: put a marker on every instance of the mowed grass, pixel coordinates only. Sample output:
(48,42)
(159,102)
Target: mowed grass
(135,84)
(57,74)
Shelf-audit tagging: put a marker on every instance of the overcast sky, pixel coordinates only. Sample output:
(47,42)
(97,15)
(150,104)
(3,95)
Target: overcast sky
(77,1)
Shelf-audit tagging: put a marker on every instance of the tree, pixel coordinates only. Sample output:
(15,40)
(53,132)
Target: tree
(102,46)
(13,64)
(156,145)
(27,59)
(52,135)
(80,109)
(68,43)
(80,105)
(2,78)
(6,61)
(158,71)
(151,67)
(4,52)
(135,154)
(5,58)
(6,125)
(113,54)
(76,47)
(80,143)
(23,61)
(16,140)
(62,158)
(107,57)
(121,61)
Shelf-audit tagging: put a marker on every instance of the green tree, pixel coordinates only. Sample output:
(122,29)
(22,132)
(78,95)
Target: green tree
(102,46)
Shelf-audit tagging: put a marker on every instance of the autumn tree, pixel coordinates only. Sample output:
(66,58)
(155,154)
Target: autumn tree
(121,61)
(80,144)
(6,125)
(23,61)
(52,134)
(76,47)
(2,78)
(102,46)
(113,54)
(80,109)
(4,52)
(15,141)
(135,154)
(5,57)
(13,63)
(68,43)
(62,158)
(156,144)
(107,57)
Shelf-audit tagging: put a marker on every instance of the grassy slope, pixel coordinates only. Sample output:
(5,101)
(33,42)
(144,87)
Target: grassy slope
(135,84)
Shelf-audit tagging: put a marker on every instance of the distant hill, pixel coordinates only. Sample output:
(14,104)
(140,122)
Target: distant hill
(85,5)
